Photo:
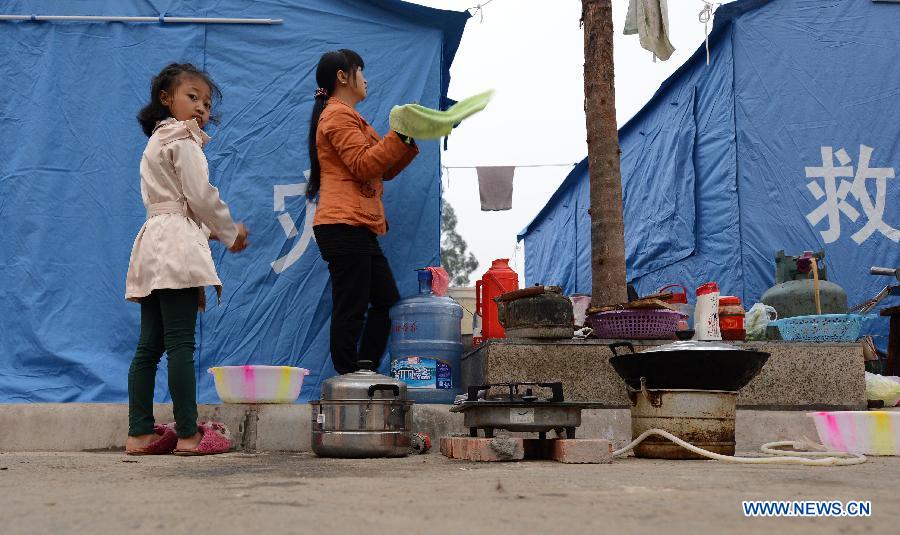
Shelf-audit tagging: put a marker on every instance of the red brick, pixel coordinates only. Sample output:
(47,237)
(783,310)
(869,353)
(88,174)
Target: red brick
(582,451)
(483,449)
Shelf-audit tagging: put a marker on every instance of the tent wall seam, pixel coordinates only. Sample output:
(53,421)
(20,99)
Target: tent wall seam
(737,175)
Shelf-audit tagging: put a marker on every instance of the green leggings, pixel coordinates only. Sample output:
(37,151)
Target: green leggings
(168,320)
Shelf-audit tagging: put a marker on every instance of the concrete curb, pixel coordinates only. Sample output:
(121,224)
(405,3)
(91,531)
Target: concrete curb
(96,426)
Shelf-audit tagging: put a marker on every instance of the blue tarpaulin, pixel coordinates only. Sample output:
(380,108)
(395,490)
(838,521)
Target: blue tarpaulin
(70,202)
(787,140)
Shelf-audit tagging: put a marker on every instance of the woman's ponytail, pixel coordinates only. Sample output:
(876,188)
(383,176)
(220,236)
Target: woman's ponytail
(312,186)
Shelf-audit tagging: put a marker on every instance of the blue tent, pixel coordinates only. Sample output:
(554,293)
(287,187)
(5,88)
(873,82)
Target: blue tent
(70,204)
(789,140)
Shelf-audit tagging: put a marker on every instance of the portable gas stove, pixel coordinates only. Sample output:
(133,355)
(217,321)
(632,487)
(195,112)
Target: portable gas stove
(518,411)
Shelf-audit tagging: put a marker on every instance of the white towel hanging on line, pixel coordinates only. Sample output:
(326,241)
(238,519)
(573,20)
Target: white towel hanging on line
(650,20)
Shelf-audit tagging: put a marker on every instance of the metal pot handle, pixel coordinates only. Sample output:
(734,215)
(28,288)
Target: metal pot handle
(393,388)
(612,347)
(664,288)
(654,398)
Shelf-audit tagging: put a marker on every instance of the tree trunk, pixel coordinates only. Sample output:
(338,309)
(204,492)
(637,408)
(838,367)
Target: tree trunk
(607,227)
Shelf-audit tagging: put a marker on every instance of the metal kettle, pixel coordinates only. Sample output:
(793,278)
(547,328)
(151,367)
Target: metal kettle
(536,312)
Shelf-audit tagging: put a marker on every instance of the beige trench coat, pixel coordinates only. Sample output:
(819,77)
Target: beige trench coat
(172,248)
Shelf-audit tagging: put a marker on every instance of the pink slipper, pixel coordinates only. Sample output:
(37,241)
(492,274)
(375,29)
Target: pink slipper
(216,439)
(164,445)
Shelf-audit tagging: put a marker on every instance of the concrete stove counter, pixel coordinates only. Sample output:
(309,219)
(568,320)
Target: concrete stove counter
(797,376)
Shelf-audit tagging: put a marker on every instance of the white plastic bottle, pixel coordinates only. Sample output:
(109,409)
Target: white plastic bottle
(706,313)
(477,339)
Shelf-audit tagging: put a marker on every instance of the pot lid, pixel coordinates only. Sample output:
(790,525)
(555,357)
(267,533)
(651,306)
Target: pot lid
(693,345)
(533,291)
(363,384)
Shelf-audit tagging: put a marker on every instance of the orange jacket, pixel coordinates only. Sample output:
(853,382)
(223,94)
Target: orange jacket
(354,161)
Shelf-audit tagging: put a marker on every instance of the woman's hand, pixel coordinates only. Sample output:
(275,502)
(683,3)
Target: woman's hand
(406,139)
(240,243)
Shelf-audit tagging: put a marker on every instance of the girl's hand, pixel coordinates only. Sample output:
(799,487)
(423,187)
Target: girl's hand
(240,243)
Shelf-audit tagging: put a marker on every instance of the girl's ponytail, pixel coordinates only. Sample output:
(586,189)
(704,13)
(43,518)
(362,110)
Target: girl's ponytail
(326,76)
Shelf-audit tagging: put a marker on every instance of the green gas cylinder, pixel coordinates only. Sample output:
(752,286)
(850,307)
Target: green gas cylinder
(795,294)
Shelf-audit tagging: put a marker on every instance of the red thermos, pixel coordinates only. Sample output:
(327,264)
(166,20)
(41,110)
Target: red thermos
(498,280)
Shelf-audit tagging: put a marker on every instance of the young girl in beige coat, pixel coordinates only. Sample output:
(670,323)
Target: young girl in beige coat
(171,263)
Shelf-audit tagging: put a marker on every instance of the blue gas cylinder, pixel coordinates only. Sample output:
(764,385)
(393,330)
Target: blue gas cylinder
(426,347)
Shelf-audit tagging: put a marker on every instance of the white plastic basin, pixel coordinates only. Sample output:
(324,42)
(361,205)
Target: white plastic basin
(258,384)
(866,432)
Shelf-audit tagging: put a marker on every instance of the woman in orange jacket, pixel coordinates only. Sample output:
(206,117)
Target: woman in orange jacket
(349,164)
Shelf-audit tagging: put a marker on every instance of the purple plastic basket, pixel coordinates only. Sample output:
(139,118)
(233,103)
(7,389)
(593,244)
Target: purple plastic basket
(635,324)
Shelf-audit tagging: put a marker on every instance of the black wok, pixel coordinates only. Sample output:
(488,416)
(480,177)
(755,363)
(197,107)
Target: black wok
(695,369)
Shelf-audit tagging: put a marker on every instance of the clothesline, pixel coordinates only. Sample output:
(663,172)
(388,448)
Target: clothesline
(479,9)
(705,16)
(495,182)
(516,166)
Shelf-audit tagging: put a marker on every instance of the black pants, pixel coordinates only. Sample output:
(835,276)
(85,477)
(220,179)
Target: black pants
(168,321)
(356,281)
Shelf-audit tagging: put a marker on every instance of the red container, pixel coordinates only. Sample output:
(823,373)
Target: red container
(708,288)
(731,318)
(498,280)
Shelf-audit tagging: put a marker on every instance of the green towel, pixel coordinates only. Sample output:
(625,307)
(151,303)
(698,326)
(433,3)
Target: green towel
(420,122)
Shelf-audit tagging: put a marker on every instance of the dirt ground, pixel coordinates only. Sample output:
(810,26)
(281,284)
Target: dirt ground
(97,493)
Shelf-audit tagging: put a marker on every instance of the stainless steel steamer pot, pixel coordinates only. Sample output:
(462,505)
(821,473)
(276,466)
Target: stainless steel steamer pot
(362,414)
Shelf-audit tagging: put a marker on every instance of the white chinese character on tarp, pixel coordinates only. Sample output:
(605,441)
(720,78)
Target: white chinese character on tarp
(835,194)
(281,192)
(874,210)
